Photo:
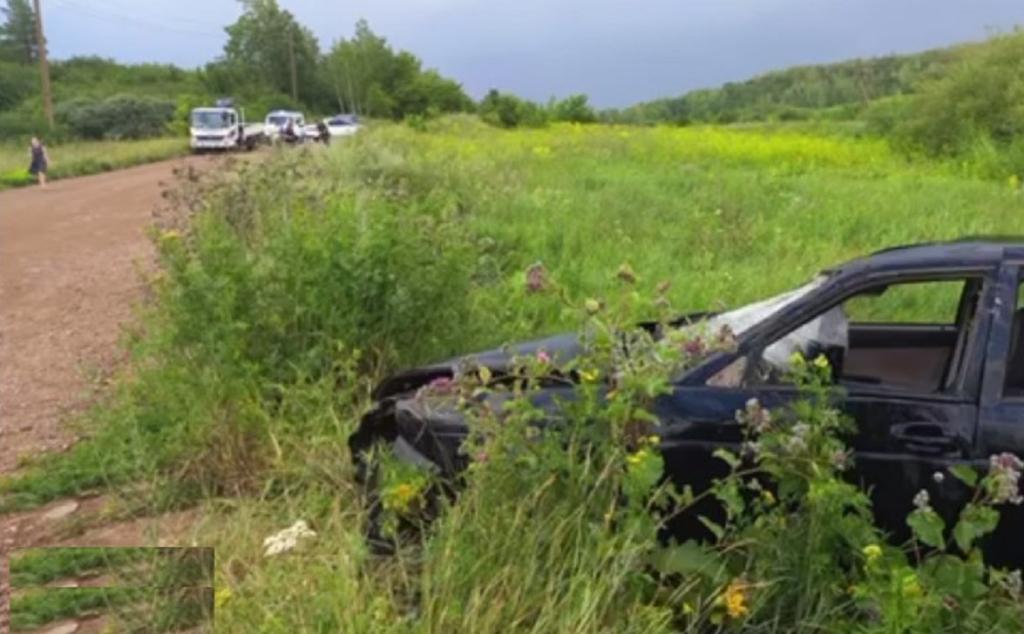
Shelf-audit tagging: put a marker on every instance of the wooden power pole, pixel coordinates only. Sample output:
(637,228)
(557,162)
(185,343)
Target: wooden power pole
(44,66)
(291,62)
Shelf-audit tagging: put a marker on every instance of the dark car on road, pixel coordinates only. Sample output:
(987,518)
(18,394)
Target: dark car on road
(926,351)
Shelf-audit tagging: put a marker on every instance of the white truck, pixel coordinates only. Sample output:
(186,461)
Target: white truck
(223,127)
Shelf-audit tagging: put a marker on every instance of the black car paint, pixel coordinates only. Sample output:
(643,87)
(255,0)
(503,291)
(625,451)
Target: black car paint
(903,439)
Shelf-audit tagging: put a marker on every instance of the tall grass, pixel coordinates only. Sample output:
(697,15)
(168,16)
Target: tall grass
(290,286)
(80,158)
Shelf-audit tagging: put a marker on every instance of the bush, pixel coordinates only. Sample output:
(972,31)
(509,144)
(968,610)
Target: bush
(508,111)
(119,117)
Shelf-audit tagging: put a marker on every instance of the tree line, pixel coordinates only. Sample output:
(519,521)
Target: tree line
(270,61)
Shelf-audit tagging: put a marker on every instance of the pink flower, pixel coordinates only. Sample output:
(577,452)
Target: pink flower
(536,278)
(694,347)
(543,357)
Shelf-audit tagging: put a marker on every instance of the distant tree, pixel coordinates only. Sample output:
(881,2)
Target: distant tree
(508,111)
(17,34)
(575,108)
(260,48)
(368,77)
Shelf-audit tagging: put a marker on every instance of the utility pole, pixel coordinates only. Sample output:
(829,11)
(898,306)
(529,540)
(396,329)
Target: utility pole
(291,59)
(44,66)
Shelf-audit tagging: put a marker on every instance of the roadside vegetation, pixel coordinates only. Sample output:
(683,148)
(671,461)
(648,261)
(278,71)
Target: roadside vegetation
(81,158)
(278,304)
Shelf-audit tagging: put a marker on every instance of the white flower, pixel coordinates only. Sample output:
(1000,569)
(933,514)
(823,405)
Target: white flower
(287,539)
(939,477)
(922,499)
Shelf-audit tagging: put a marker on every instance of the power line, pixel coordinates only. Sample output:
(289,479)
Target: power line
(108,16)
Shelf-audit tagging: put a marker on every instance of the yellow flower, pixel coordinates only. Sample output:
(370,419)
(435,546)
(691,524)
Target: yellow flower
(637,458)
(797,360)
(821,362)
(221,597)
(735,599)
(872,552)
(769,499)
(910,586)
(653,441)
(589,376)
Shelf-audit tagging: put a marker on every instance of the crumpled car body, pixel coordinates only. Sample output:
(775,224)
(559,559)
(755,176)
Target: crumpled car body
(923,396)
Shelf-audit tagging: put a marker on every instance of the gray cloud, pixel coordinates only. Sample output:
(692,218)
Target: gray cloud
(618,52)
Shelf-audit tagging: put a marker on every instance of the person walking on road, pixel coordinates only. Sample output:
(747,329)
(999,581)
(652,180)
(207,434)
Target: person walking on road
(39,160)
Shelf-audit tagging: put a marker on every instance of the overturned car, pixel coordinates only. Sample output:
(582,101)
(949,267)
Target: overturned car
(924,343)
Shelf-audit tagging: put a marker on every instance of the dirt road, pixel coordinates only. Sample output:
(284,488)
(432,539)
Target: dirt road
(69,279)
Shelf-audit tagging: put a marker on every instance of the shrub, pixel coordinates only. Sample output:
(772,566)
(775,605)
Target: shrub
(119,117)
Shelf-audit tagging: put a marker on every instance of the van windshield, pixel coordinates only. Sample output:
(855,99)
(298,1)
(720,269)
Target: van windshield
(277,119)
(212,119)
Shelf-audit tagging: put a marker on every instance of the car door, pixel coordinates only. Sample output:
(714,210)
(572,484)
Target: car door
(1001,416)
(904,433)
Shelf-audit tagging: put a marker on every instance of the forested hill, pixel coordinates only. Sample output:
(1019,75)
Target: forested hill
(801,92)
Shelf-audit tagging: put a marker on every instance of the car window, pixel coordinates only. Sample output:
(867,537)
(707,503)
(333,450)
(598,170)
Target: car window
(1013,386)
(908,336)
(934,302)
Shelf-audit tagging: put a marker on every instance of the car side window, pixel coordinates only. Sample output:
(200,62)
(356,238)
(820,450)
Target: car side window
(1014,384)
(908,336)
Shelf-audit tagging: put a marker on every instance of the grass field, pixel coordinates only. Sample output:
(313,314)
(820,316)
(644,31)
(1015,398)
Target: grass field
(282,300)
(80,158)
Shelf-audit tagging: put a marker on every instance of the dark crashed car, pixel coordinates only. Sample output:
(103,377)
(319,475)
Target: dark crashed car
(942,388)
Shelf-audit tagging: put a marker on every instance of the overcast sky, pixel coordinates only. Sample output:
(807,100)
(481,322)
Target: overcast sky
(617,51)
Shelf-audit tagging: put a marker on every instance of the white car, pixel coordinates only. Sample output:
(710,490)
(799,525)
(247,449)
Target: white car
(342,125)
(278,120)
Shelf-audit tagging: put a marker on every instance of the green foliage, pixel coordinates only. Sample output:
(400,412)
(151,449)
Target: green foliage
(18,33)
(574,109)
(265,41)
(368,77)
(280,300)
(799,92)
(980,97)
(508,111)
(119,117)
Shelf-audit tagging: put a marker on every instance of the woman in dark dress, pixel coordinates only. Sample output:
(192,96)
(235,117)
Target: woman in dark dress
(39,160)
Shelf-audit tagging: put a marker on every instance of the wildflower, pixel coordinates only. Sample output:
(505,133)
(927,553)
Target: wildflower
(922,501)
(589,376)
(288,539)
(653,441)
(1014,583)
(536,278)
(440,385)
(797,360)
(543,357)
(221,597)
(1005,470)
(910,586)
(821,362)
(626,274)
(872,552)
(938,477)
(592,305)
(840,459)
(637,458)
(755,416)
(726,337)
(750,448)
(694,347)
(796,444)
(735,600)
